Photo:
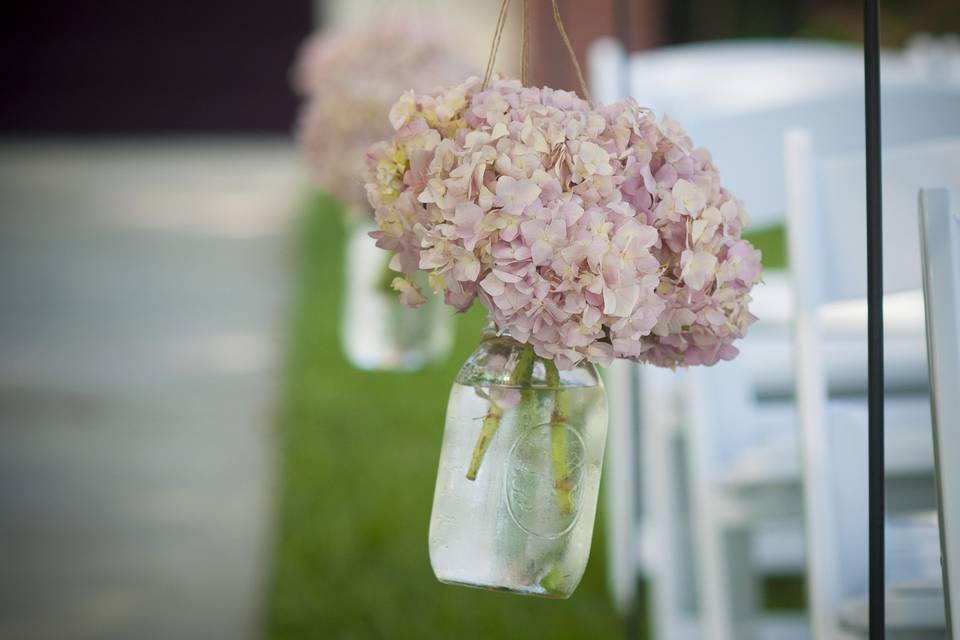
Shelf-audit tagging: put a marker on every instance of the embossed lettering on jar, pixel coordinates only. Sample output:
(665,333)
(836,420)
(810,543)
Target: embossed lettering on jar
(519,474)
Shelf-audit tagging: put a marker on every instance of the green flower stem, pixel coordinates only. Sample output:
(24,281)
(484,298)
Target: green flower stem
(491,422)
(558,440)
(521,375)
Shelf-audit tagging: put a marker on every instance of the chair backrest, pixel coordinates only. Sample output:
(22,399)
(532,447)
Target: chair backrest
(749,153)
(827,216)
(940,238)
(826,237)
(723,79)
(607,70)
(737,98)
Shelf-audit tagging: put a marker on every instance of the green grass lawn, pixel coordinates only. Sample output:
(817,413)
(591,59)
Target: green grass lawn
(773,243)
(358,457)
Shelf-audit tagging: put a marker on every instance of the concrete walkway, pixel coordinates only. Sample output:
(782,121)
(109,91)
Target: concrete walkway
(142,296)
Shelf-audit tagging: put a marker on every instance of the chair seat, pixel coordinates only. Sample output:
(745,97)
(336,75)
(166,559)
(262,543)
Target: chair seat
(782,626)
(778,546)
(772,303)
(914,611)
(776,460)
(767,349)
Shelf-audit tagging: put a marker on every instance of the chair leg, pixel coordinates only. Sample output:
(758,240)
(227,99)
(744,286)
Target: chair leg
(742,584)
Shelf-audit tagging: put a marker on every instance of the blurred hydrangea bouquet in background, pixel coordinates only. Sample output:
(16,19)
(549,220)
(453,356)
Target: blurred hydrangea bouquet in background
(349,78)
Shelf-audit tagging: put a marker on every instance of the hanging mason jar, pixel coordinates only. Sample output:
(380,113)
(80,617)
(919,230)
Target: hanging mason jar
(519,473)
(377,331)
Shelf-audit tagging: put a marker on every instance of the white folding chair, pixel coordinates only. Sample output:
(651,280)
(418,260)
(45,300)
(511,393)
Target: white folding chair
(724,420)
(826,225)
(675,79)
(668,550)
(745,142)
(744,464)
(823,94)
(940,241)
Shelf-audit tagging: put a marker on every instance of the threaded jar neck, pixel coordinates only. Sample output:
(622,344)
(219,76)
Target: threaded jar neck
(490,330)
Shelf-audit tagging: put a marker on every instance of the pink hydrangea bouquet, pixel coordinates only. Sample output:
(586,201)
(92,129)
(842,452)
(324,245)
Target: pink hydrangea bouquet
(589,233)
(349,78)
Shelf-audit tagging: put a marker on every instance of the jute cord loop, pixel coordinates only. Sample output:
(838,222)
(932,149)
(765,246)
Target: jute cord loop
(525,46)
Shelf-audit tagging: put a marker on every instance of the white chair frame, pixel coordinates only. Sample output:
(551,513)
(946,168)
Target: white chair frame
(940,240)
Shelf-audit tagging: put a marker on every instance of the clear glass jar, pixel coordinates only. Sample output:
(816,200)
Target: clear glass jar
(376,330)
(519,472)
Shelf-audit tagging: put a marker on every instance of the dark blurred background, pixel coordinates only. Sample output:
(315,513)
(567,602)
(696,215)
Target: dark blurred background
(124,67)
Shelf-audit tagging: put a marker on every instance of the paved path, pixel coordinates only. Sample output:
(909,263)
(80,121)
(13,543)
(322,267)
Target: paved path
(142,296)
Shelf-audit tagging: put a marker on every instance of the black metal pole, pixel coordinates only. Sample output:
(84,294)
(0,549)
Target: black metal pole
(871,64)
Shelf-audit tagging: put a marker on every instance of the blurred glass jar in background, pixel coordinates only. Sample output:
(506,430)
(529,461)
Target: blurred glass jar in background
(519,472)
(377,332)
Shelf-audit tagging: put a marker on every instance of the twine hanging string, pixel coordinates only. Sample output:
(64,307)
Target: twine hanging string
(525,46)
(573,56)
(495,45)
